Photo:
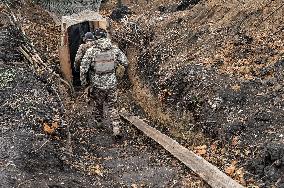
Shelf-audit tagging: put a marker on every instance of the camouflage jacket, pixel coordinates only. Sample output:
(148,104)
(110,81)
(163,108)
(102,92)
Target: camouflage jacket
(105,81)
(81,52)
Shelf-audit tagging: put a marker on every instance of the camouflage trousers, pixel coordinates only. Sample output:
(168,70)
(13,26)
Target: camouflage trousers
(108,97)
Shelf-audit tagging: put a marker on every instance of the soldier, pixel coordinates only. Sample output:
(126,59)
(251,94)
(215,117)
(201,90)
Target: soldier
(100,63)
(88,42)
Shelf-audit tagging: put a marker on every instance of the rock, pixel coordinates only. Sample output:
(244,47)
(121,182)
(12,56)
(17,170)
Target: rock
(233,97)
(242,39)
(261,61)
(162,8)
(235,128)
(269,171)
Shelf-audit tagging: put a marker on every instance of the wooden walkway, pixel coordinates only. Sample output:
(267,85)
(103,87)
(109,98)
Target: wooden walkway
(208,172)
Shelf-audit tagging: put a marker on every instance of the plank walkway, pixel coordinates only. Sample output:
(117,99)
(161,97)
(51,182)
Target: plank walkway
(208,172)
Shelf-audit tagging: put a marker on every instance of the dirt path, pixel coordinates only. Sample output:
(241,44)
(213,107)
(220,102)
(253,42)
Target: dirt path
(31,158)
(134,161)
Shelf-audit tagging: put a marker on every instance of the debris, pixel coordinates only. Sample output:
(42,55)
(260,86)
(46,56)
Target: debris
(185,3)
(230,170)
(96,170)
(200,150)
(235,140)
(134,186)
(50,129)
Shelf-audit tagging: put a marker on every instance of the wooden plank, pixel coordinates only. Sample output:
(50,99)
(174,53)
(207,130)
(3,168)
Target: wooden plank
(103,25)
(65,64)
(208,172)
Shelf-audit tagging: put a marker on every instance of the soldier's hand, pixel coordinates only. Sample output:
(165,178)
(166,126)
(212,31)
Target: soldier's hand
(83,84)
(120,70)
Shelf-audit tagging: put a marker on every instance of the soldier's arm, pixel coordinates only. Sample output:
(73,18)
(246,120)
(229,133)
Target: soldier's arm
(122,63)
(78,58)
(85,65)
(121,57)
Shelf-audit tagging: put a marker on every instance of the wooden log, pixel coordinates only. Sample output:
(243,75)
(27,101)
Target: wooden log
(65,64)
(208,172)
(36,59)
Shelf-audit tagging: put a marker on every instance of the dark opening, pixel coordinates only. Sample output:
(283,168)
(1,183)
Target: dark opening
(75,38)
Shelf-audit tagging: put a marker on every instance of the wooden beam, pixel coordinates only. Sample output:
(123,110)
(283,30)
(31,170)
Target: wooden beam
(36,59)
(208,172)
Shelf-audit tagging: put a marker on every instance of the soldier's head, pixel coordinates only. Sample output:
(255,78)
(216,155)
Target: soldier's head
(88,36)
(100,33)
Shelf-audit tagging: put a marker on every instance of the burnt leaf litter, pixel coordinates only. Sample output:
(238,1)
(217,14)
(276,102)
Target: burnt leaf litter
(213,70)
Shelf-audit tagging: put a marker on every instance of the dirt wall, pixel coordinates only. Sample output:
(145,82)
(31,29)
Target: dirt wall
(220,62)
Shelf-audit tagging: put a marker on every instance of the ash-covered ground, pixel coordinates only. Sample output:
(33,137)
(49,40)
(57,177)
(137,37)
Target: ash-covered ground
(212,69)
(48,138)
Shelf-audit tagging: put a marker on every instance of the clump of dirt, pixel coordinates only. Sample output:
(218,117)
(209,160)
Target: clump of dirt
(269,166)
(119,13)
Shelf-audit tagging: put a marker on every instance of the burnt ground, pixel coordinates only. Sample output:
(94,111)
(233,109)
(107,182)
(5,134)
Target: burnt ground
(216,70)
(215,77)
(31,158)
(34,154)
(133,161)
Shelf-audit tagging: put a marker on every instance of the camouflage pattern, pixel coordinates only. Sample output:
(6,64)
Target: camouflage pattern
(104,86)
(104,81)
(81,52)
(109,96)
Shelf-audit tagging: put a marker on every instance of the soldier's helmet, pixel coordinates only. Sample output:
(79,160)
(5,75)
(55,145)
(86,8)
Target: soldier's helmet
(88,36)
(100,33)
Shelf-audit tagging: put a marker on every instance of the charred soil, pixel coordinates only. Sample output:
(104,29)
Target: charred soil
(212,70)
(49,139)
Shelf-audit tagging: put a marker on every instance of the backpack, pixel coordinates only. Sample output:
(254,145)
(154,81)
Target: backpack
(104,62)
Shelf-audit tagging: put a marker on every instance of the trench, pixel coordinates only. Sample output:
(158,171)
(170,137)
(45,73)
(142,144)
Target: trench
(95,159)
(171,122)
(142,94)
(154,108)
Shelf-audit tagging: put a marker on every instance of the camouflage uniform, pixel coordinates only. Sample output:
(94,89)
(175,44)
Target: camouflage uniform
(81,52)
(104,85)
